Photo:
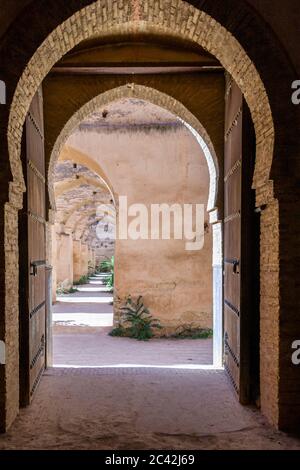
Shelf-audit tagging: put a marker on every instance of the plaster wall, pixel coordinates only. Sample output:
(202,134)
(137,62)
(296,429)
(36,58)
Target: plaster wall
(84,259)
(155,167)
(77,260)
(64,261)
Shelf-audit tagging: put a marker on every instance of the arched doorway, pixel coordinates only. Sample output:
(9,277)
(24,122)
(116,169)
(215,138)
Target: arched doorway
(264,141)
(124,98)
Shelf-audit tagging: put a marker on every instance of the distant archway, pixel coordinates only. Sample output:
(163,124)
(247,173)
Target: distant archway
(63,152)
(184,21)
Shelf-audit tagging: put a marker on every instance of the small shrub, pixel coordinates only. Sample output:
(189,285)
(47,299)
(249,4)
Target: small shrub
(118,331)
(83,280)
(109,281)
(107,266)
(136,321)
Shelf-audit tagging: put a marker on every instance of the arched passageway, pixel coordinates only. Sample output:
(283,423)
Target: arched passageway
(150,155)
(83,141)
(202,27)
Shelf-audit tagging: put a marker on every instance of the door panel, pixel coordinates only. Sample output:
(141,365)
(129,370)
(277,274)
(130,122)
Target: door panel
(232,288)
(233,194)
(33,255)
(239,254)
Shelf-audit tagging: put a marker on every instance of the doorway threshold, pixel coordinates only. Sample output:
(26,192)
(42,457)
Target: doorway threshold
(141,366)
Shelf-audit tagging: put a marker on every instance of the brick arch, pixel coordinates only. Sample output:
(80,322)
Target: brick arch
(87,232)
(69,153)
(85,202)
(175,18)
(83,224)
(82,219)
(153,96)
(74,210)
(63,186)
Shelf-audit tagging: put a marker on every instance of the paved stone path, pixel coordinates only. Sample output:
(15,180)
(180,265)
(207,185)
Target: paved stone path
(82,322)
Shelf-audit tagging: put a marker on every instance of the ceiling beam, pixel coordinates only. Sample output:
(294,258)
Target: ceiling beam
(139,70)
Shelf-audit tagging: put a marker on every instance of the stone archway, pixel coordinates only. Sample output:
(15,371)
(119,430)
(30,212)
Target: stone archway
(63,186)
(150,95)
(186,21)
(67,153)
(61,151)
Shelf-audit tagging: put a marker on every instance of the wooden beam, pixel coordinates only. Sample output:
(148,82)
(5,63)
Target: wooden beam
(134,70)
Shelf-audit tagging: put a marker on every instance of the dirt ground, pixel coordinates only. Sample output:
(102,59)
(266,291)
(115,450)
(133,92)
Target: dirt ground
(118,393)
(141,408)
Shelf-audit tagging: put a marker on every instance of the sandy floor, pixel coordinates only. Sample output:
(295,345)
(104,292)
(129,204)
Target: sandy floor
(139,409)
(116,405)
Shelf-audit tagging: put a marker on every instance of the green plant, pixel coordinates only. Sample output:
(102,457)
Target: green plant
(109,281)
(136,321)
(108,266)
(192,332)
(83,280)
(118,331)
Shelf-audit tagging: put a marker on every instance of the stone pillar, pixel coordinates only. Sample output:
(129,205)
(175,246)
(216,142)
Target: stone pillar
(84,259)
(97,257)
(94,258)
(77,273)
(289,313)
(54,261)
(64,266)
(269,312)
(49,325)
(90,260)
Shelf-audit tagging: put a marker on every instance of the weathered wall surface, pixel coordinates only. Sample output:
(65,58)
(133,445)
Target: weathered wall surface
(76,260)
(202,94)
(155,167)
(64,260)
(53,261)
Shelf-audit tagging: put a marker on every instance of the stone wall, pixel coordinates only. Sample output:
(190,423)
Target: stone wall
(156,167)
(64,260)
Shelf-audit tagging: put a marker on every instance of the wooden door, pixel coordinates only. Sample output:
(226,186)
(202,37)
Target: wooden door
(241,248)
(33,255)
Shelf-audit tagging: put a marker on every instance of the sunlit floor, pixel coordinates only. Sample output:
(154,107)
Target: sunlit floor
(97,349)
(82,321)
(117,393)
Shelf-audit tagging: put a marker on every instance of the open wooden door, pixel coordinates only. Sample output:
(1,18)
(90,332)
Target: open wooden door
(241,249)
(33,255)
